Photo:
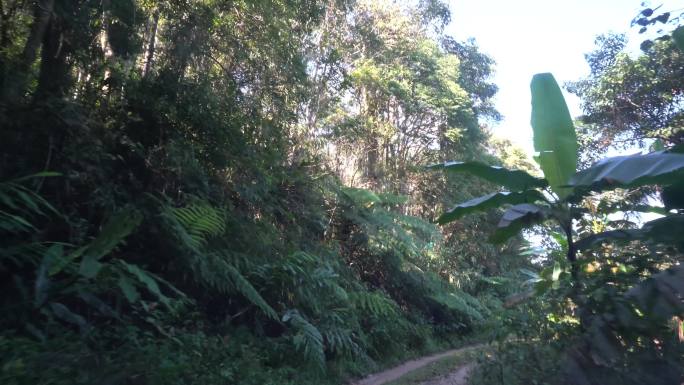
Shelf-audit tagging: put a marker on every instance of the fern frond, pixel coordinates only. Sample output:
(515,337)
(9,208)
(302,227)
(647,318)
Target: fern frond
(419,226)
(244,287)
(462,303)
(17,205)
(193,226)
(213,270)
(361,197)
(340,341)
(201,222)
(375,303)
(308,338)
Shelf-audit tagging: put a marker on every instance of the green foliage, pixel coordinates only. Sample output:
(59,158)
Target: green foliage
(112,233)
(629,100)
(21,203)
(659,231)
(607,323)
(554,134)
(200,222)
(678,37)
(308,339)
(516,218)
(375,303)
(631,171)
(512,179)
(238,196)
(194,226)
(489,201)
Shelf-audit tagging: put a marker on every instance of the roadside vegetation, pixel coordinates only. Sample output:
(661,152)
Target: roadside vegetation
(262,192)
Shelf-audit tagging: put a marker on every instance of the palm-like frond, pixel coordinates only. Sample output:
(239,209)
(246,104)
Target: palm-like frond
(200,221)
(375,303)
(18,205)
(308,339)
(193,226)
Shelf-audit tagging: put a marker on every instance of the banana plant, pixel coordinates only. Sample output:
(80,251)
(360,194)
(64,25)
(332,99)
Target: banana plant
(532,200)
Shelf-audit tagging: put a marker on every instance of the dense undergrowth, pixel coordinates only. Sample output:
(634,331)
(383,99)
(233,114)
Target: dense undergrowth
(192,294)
(170,211)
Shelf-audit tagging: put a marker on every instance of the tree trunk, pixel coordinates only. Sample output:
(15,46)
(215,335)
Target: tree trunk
(42,14)
(106,47)
(372,164)
(149,60)
(54,69)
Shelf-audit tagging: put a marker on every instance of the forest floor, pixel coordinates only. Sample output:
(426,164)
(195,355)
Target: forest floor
(447,368)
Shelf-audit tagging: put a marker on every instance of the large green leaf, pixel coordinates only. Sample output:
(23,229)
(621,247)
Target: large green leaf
(516,180)
(554,134)
(490,201)
(117,228)
(146,279)
(667,230)
(631,171)
(517,218)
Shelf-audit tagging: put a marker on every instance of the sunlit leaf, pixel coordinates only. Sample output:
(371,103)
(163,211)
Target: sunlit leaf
(555,140)
(557,270)
(515,180)
(631,171)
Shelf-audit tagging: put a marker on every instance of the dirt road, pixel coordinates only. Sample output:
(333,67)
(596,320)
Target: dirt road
(458,377)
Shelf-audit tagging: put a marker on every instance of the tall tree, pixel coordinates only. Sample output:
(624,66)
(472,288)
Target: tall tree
(628,100)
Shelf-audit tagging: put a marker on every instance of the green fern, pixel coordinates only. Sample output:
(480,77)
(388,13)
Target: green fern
(361,197)
(244,287)
(200,221)
(308,339)
(461,303)
(18,205)
(212,269)
(375,303)
(19,208)
(340,341)
(194,226)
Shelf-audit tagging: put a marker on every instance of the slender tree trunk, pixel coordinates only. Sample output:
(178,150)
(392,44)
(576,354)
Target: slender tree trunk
(572,253)
(42,14)
(149,60)
(575,291)
(53,77)
(372,165)
(106,47)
